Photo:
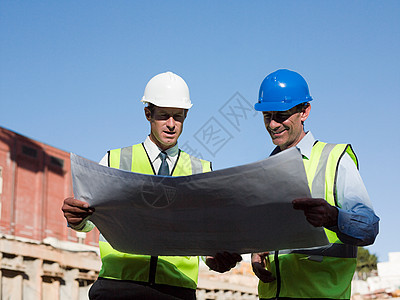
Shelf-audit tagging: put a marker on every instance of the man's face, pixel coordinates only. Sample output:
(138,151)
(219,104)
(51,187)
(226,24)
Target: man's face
(166,125)
(285,127)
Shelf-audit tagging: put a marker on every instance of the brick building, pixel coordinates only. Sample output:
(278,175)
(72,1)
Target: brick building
(40,257)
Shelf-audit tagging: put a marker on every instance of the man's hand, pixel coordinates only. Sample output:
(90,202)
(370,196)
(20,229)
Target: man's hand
(75,211)
(318,212)
(223,261)
(258,264)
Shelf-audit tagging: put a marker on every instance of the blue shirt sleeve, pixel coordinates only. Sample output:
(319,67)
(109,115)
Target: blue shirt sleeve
(358,227)
(357,222)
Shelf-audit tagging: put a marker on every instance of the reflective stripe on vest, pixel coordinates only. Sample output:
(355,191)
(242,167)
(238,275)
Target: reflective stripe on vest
(179,271)
(320,272)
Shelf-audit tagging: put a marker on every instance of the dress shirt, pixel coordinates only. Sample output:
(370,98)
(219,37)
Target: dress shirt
(357,223)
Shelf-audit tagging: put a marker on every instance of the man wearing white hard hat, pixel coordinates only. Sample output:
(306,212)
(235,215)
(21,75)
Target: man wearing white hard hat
(128,276)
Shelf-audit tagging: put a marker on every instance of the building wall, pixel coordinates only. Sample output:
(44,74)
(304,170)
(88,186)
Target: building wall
(35,178)
(34,271)
(40,257)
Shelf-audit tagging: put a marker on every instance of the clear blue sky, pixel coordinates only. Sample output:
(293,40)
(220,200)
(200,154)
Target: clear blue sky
(72,74)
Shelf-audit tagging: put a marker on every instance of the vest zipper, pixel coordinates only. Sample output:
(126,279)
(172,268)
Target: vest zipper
(153,269)
(278,274)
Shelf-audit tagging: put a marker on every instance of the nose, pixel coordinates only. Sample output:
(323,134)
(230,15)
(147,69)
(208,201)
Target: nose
(171,123)
(273,124)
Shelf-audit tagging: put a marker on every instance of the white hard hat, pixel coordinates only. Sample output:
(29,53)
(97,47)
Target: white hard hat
(167,90)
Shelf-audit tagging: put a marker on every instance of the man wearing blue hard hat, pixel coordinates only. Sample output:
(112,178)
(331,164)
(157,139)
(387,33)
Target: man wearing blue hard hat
(339,203)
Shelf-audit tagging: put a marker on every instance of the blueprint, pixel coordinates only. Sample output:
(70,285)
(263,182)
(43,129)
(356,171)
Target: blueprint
(241,209)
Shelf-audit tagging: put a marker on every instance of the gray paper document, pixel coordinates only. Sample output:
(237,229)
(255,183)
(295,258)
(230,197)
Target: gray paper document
(242,209)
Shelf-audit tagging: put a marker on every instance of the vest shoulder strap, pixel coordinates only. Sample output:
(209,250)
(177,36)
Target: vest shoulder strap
(187,165)
(323,166)
(133,158)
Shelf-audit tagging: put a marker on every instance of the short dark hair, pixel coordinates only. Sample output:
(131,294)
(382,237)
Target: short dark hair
(301,106)
(151,108)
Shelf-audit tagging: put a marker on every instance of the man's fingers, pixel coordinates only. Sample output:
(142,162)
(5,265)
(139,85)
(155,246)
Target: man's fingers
(223,261)
(263,274)
(71,201)
(232,258)
(75,211)
(72,205)
(79,203)
(258,265)
(237,257)
(78,211)
(210,262)
(306,203)
(258,257)
(216,265)
(82,215)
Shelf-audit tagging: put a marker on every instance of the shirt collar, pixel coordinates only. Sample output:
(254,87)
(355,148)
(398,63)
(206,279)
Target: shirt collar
(153,151)
(305,145)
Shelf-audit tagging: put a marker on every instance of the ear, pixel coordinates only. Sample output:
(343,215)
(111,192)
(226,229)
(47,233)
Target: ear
(306,112)
(147,113)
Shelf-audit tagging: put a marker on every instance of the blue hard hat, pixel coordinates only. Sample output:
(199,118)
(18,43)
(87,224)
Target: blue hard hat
(282,90)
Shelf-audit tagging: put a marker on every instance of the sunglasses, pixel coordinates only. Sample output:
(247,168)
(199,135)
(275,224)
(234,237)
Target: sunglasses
(281,116)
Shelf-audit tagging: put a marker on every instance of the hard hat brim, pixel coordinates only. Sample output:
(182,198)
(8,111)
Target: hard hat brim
(277,106)
(160,104)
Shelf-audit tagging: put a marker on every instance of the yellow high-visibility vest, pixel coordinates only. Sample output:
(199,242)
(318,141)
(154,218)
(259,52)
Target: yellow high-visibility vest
(324,272)
(181,271)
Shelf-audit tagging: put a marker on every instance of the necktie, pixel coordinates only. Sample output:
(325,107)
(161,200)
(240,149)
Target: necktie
(164,169)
